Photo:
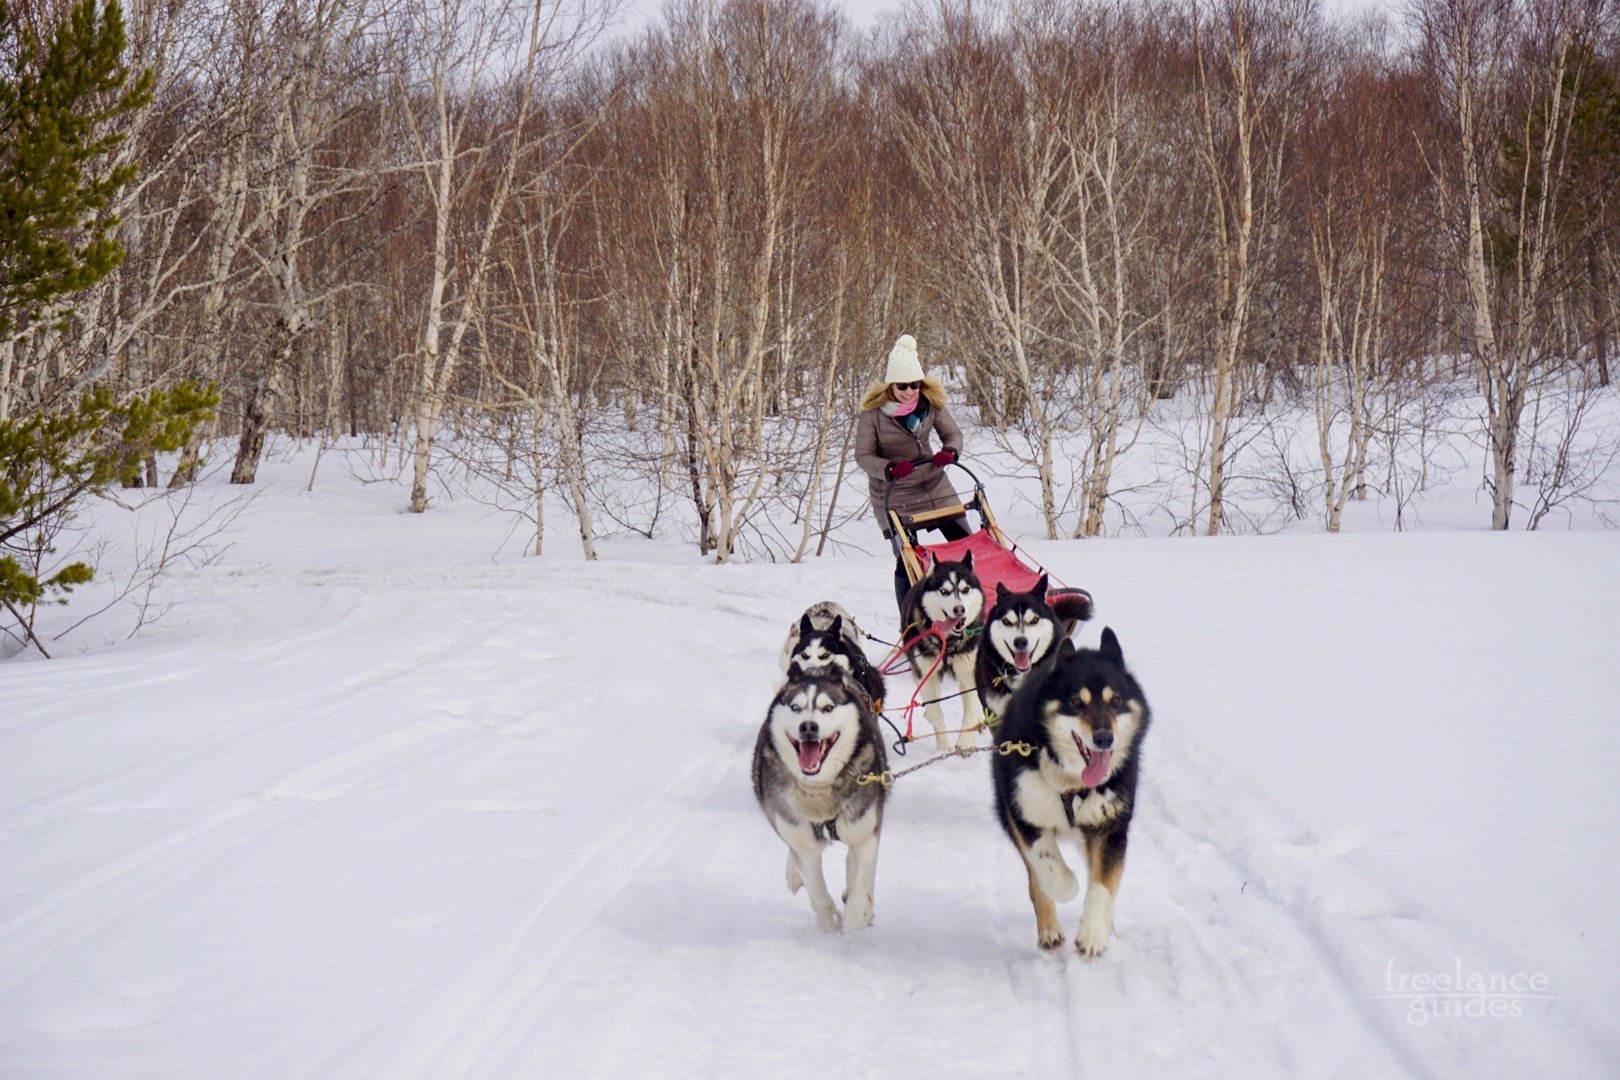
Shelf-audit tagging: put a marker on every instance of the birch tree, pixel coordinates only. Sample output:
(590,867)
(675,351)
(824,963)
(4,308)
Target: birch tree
(1249,54)
(1356,195)
(320,52)
(1112,145)
(1496,65)
(982,119)
(469,160)
(724,107)
(543,314)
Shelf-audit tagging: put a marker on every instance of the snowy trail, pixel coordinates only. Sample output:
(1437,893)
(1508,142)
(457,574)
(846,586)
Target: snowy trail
(218,827)
(496,821)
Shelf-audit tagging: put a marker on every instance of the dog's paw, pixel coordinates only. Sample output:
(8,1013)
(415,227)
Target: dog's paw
(829,920)
(1091,942)
(1049,939)
(859,915)
(1056,879)
(1096,923)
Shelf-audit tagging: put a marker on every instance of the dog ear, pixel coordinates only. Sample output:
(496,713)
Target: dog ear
(795,673)
(1002,592)
(805,625)
(1110,645)
(967,560)
(1040,588)
(1065,649)
(837,627)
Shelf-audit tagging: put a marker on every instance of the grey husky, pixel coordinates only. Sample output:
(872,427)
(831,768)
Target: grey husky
(819,738)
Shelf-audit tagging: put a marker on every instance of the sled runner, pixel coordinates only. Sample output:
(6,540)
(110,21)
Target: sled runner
(996,558)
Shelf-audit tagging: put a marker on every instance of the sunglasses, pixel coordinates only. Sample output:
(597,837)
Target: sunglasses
(907,385)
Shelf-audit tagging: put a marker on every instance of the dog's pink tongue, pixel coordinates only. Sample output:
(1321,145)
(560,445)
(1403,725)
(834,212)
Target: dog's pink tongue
(1021,659)
(1096,770)
(809,756)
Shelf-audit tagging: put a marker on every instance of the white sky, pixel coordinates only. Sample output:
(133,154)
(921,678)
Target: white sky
(864,13)
(861,12)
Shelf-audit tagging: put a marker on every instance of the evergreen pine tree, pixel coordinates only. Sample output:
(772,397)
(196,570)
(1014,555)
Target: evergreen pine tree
(49,462)
(62,91)
(60,99)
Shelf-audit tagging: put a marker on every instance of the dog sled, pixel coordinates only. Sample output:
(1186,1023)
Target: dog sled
(997,562)
(997,559)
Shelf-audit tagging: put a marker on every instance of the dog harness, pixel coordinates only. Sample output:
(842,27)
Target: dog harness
(1068,804)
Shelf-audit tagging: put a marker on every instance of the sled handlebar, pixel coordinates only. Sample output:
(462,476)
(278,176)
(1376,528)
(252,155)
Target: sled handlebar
(978,489)
(917,463)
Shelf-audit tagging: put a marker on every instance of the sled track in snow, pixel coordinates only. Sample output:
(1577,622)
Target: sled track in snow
(184,851)
(1333,918)
(1177,793)
(481,1022)
(309,708)
(184,857)
(493,1002)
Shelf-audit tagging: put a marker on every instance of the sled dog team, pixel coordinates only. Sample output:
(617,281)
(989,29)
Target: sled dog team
(1078,713)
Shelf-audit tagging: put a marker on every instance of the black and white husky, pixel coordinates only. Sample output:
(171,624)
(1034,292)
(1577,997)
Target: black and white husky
(819,737)
(1020,631)
(821,615)
(949,601)
(827,636)
(1086,716)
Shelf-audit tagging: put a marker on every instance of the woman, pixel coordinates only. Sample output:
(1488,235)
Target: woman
(899,418)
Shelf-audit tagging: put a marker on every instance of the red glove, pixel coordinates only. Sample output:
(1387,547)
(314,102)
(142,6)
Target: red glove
(898,470)
(944,458)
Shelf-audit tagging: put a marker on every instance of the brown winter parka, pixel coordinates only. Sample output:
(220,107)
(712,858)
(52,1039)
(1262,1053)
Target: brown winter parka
(880,439)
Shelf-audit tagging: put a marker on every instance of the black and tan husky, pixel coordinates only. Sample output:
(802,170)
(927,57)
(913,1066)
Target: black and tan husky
(1085,716)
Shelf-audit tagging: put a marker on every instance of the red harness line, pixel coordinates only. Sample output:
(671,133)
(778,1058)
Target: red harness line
(891,665)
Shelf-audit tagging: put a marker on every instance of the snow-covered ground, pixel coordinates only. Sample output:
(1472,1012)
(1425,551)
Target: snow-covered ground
(378,801)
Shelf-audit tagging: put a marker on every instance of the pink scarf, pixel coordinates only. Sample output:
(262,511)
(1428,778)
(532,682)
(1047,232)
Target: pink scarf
(895,408)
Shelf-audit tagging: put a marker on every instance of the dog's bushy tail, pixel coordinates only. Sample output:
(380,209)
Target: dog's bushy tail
(1070,605)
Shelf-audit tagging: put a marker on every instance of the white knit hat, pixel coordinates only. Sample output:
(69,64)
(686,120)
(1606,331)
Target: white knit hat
(903,363)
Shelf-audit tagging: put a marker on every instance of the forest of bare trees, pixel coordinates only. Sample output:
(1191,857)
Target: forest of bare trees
(486,231)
